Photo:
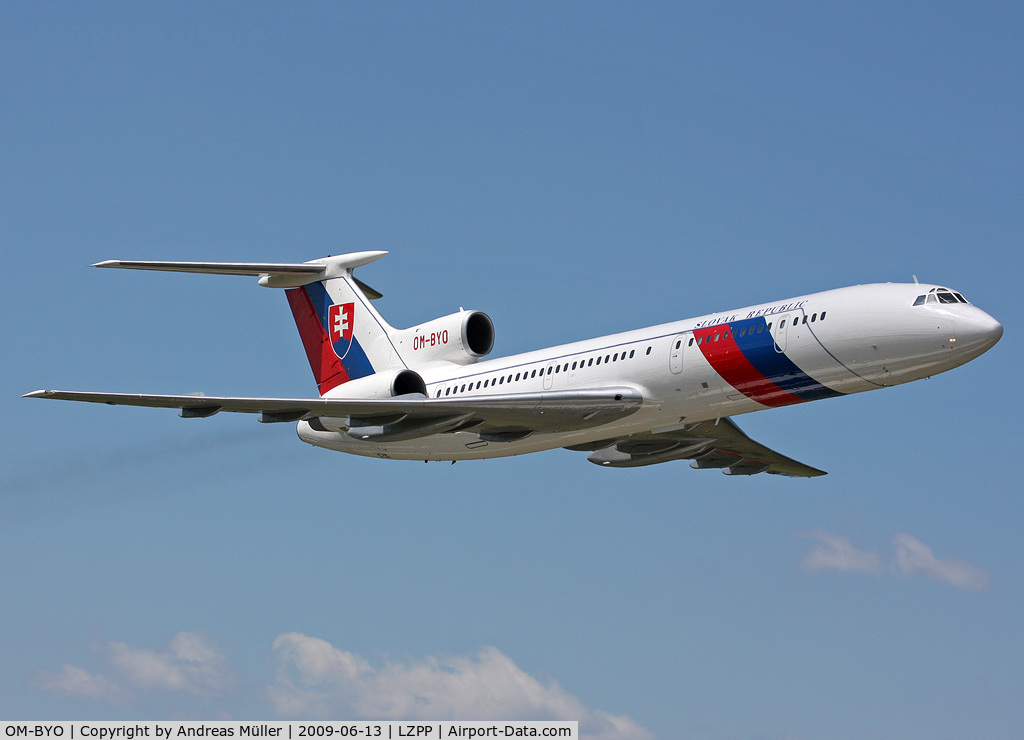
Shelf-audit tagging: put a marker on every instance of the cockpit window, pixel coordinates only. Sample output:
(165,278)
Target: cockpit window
(940,295)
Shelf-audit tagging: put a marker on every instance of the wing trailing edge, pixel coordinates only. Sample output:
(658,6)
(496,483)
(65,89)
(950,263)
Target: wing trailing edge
(707,444)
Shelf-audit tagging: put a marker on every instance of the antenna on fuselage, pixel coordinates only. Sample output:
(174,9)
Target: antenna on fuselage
(916,281)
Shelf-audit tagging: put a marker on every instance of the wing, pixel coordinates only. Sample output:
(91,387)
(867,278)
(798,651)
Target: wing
(496,418)
(709,444)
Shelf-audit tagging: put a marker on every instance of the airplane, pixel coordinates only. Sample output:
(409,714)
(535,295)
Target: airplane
(637,398)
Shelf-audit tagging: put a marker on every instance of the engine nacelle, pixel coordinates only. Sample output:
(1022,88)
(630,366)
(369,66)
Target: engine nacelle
(462,338)
(386,384)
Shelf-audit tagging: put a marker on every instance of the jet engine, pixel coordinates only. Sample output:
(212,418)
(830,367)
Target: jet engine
(462,338)
(386,384)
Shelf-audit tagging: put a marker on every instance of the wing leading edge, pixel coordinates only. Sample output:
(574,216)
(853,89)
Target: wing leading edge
(406,417)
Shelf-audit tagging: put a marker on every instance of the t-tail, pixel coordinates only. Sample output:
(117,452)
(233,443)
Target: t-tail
(344,336)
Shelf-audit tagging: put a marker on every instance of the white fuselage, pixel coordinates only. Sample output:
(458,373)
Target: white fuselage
(816,346)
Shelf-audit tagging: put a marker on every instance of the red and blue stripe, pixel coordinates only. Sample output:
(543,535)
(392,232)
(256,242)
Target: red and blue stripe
(332,364)
(744,353)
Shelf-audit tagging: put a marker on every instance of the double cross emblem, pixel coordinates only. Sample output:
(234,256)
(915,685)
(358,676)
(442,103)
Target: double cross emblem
(339,322)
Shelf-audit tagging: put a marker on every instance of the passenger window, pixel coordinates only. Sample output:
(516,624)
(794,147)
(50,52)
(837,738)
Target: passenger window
(606,358)
(782,324)
(631,353)
(549,370)
(533,374)
(743,332)
(486,382)
(438,392)
(814,317)
(770,325)
(591,362)
(447,391)
(565,368)
(822,315)
(716,337)
(598,360)
(463,389)
(760,328)
(690,343)
(648,350)
(557,368)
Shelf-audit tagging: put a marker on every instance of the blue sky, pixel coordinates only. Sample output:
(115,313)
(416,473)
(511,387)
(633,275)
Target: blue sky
(572,169)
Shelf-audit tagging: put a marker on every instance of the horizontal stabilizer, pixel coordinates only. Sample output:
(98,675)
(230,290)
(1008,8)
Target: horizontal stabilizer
(271,274)
(220,268)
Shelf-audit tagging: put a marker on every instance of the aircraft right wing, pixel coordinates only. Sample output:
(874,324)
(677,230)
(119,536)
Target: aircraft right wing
(709,444)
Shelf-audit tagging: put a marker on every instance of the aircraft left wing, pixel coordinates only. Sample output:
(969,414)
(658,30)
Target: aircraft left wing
(499,417)
(709,444)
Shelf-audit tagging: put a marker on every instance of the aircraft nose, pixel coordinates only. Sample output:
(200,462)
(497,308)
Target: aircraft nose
(976,330)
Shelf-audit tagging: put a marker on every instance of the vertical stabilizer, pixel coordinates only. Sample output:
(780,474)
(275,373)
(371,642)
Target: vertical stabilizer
(343,335)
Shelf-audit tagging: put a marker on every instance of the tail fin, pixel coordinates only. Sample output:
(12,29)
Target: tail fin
(343,335)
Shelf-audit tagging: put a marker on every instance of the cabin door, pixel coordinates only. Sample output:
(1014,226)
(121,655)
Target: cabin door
(549,376)
(781,330)
(675,356)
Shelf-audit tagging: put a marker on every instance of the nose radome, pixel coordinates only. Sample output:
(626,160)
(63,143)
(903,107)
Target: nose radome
(976,330)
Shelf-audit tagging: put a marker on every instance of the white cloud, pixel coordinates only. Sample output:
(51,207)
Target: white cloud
(913,556)
(316,679)
(188,665)
(836,552)
(74,681)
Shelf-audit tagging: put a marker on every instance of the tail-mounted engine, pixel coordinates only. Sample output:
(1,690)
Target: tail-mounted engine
(389,426)
(462,338)
(386,384)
